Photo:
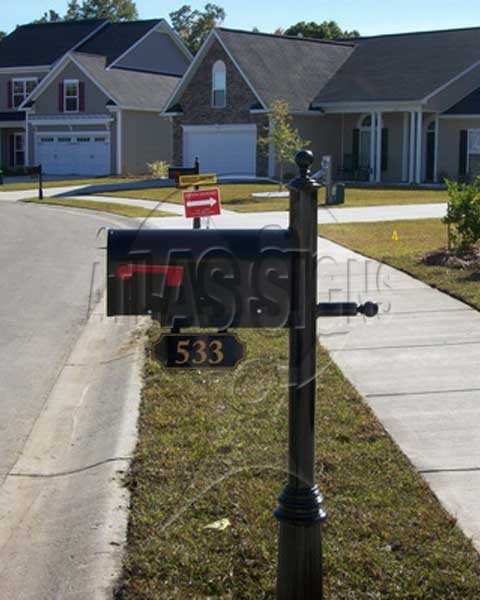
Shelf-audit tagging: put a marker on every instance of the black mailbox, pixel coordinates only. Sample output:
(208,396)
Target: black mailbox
(214,278)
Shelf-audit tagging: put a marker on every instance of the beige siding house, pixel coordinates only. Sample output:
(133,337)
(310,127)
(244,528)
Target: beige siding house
(95,108)
(387,109)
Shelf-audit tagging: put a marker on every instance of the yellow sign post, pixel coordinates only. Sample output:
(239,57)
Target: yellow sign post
(191,180)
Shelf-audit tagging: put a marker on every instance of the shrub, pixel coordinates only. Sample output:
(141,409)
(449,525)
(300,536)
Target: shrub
(463,214)
(158,169)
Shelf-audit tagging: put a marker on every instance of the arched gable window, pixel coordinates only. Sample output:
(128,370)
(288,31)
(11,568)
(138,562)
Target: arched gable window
(219,85)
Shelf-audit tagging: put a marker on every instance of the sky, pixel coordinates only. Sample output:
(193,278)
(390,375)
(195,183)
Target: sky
(370,17)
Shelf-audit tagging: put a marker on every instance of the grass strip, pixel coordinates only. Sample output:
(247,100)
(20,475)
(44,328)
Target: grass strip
(33,185)
(213,446)
(401,244)
(124,210)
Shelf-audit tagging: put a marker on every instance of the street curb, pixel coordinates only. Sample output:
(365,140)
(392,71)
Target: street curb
(64,505)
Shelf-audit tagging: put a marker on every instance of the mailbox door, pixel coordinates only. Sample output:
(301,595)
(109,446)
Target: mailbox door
(221,279)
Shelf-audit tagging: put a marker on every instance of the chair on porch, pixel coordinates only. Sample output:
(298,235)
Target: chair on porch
(351,171)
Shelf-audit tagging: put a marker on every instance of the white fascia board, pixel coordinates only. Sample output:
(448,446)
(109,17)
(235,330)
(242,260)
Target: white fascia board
(90,76)
(458,117)
(156,27)
(55,72)
(191,70)
(231,57)
(57,69)
(219,128)
(453,80)
(335,108)
(93,120)
(21,70)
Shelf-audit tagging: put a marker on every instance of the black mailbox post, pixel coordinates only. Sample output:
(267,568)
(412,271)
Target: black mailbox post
(224,279)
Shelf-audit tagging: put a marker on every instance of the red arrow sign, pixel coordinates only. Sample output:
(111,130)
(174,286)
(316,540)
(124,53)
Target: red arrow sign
(202,203)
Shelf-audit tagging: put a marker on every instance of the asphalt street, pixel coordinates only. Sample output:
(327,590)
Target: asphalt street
(69,394)
(51,273)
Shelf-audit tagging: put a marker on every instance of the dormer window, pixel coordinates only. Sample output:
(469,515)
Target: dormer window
(21,89)
(219,85)
(71,96)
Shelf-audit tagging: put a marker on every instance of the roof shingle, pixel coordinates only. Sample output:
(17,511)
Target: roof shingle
(285,68)
(130,89)
(402,67)
(115,39)
(43,44)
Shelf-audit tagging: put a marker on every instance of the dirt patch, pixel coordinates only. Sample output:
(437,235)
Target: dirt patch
(452,259)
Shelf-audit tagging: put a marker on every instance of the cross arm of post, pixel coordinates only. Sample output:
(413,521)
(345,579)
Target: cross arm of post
(346,309)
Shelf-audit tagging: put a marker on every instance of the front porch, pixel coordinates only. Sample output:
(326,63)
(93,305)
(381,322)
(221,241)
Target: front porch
(389,147)
(12,141)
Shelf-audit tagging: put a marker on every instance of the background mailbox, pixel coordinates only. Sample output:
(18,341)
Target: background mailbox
(221,279)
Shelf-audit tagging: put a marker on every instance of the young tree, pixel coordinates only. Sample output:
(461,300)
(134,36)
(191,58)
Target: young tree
(282,137)
(193,26)
(328,30)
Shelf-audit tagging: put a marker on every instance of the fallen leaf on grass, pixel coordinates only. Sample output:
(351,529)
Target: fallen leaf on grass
(219,525)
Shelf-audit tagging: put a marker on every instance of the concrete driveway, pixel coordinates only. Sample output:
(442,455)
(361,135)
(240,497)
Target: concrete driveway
(69,390)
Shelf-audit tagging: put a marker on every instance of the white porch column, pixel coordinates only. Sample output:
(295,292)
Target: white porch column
(437,138)
(411,171)
(372,146)
(27,140)
(419,156)
(378,177)
(119,142)
(405,148)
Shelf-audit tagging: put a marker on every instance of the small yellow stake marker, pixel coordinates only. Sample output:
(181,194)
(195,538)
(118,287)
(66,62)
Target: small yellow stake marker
(395,236)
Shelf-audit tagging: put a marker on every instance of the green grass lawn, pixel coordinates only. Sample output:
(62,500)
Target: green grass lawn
(124,210)
(415,238)
(374,197)
(214,446)
(13,187)
(238,197)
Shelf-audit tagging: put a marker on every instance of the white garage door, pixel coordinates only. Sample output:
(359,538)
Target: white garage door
(228,150)
(68,154)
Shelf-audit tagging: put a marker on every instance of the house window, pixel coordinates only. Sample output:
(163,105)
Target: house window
(71,95)
(21,89)
(19,150)
(219,85)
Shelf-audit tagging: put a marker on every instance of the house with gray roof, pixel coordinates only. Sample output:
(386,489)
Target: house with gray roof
(85,97)
(393,108)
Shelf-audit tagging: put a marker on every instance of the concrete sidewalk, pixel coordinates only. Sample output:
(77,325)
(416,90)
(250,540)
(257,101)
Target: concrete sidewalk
(325,215)
(417,366)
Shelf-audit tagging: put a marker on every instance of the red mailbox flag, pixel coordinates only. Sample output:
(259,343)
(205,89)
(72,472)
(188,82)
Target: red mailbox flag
(202,203)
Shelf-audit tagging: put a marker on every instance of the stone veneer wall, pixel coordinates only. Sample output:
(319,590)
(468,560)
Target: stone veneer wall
(196,103)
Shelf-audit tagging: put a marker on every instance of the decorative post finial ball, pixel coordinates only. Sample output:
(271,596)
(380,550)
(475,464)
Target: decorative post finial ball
(304,159)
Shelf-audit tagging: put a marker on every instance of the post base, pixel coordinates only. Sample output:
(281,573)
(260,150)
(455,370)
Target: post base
(300,506)
(300,513)
(300,562)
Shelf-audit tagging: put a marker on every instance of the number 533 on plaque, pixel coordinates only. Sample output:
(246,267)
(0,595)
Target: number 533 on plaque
(199,351)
